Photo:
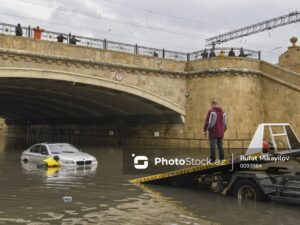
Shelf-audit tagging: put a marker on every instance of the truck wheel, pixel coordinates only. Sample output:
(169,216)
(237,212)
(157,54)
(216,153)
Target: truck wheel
(245,189)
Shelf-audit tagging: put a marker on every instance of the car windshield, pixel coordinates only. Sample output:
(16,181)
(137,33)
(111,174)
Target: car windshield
(62,148)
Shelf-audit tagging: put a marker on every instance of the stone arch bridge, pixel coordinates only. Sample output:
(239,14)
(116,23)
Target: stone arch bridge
(43,82)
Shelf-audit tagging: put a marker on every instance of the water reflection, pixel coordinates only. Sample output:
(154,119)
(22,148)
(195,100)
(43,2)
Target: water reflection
(58,173)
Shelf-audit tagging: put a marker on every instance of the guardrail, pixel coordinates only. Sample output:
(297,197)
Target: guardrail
(9,29)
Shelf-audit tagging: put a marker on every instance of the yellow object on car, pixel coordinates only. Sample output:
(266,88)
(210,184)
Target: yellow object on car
(51,162)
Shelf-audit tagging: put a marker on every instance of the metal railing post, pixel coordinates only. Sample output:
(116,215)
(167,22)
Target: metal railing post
(104,44)
(69,37)
(136,49)
(163,53)
(29,32)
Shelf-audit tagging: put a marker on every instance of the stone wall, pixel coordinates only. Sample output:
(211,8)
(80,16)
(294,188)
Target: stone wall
(137,81)
(87,53)
(281,103)
(290,59)
(2,126)
(238,94)
(249,91)
(224,62)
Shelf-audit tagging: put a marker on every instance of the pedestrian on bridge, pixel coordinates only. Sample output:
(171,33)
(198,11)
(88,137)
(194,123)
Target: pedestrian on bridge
(204,54)
(212,53)
(19,31)
(37,33)
(215,124)
(61,38)
(73,40)
(231,53)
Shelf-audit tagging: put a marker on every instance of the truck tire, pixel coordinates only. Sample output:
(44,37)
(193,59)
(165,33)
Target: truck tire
(246,189)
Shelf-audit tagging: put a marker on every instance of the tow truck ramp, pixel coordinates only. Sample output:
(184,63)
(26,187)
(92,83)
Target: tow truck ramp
(282,142)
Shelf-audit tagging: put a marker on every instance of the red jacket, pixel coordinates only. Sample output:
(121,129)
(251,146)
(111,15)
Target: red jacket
(37,33)
(216,122)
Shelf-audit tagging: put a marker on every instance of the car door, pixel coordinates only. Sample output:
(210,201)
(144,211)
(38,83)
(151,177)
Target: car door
(35,153)
(44,154)
(39,153)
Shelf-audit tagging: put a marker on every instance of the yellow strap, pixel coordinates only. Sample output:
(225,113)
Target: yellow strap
(179,172)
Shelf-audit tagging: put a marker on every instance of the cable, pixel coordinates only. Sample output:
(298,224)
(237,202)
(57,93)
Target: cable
(56,6)
(49,5)
(155,12)
(95,31)
(162,14)
(151,11)
(72,26)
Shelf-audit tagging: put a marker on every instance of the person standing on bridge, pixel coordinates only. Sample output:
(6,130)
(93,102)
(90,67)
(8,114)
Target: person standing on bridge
(231,53)
(215,124)
(19,31)
(73,40)
(60,38)
(212,53)
(37,33)
(204,54)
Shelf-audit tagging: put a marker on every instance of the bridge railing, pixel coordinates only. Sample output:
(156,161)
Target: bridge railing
(121,47)
(9,29)
(225,51)
(142,50)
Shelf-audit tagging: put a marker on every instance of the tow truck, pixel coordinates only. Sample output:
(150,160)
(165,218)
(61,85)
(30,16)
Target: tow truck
(245,177)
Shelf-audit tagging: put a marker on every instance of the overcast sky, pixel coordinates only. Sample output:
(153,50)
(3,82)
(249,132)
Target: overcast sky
(171,24)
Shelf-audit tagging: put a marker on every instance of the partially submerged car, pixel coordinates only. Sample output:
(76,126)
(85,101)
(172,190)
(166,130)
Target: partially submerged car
(66,153)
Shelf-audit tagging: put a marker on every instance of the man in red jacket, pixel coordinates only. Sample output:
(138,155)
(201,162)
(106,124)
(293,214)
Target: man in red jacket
(215,124)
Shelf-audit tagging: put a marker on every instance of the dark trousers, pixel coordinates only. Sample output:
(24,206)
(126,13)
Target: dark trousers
(216,141)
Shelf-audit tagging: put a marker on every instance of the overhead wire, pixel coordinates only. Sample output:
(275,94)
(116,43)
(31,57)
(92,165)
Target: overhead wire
(106,32)
(56,5)
(97,16)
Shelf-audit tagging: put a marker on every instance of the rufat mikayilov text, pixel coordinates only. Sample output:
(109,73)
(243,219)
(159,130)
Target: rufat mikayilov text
(270,158)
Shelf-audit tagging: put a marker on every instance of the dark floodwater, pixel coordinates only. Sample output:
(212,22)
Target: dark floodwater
(104,196)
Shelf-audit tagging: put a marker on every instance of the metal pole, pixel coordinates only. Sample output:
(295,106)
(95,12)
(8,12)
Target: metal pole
(69,37)
(29,32)
(104,44)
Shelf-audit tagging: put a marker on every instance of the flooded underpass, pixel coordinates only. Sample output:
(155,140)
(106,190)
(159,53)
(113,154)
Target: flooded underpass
(103,195)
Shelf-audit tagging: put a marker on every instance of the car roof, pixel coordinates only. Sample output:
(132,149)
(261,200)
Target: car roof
(45,143)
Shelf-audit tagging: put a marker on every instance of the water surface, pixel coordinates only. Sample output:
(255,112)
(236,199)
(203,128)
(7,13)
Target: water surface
(29,195)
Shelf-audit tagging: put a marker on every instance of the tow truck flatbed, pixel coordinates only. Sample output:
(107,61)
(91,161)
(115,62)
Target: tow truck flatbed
(269,183)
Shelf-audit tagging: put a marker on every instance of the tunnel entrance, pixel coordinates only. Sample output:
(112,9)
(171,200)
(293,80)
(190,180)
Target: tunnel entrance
(44,110)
